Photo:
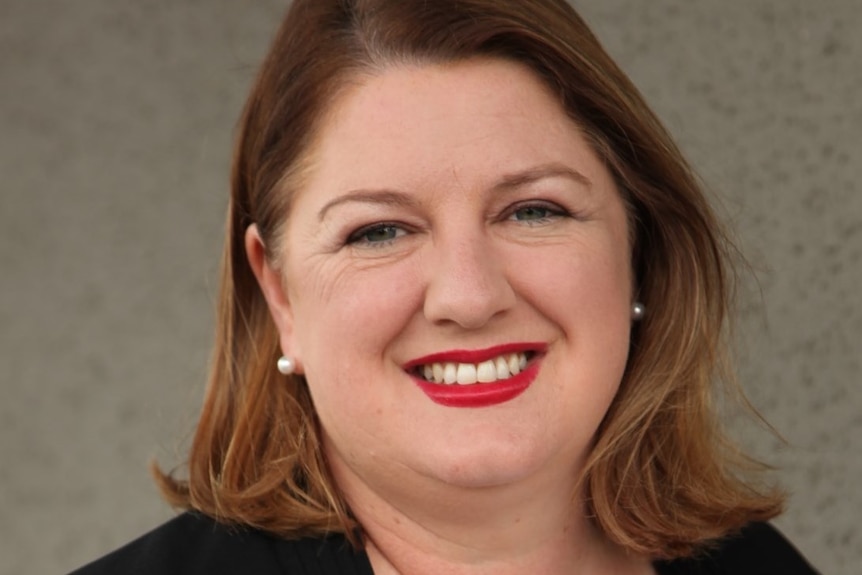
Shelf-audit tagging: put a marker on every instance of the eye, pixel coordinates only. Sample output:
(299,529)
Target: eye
(536,212)
(376,234)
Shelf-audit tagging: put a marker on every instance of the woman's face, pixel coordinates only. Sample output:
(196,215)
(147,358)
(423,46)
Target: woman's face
(455,225)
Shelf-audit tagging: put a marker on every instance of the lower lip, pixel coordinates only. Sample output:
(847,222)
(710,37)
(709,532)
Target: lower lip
(480,394)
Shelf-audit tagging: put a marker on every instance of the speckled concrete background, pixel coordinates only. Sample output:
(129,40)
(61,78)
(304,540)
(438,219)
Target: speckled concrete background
(115,128)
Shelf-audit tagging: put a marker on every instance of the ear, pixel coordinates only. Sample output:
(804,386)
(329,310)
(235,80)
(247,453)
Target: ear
(271,284)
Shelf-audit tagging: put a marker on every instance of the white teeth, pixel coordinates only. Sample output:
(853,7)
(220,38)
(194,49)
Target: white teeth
(466,373)
(450,373)
(514,364)
(486,372)
(436,372)
(502,367)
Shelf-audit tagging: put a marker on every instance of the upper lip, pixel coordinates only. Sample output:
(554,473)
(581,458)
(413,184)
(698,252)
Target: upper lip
(476,355)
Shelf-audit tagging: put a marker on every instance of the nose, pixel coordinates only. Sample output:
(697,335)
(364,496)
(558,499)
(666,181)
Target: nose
(467,283)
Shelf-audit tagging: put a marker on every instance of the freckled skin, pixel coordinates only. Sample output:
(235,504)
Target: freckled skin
(466,264)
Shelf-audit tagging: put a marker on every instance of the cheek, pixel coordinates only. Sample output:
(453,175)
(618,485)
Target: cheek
(357,310)
(585,280)
(585,292)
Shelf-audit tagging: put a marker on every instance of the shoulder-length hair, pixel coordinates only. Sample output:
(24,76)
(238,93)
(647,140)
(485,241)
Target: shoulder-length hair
(662,479)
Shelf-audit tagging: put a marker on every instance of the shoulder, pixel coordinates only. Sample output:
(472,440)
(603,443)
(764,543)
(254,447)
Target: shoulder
(759,549)
(193,544)
(189,543)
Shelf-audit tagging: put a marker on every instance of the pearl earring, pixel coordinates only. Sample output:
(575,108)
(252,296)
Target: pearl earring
(638,311)
(286,365)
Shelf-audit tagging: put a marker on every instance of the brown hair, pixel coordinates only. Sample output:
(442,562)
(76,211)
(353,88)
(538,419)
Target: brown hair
(662,478)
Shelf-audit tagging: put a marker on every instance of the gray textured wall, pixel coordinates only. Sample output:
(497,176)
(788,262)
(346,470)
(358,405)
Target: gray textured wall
(115,126)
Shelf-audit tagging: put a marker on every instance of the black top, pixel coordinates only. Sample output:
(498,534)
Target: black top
(193,544)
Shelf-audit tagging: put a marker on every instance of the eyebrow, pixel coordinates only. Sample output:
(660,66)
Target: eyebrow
(508,182)
(544,171)
(383,197)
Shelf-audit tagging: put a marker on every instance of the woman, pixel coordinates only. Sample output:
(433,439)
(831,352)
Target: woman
(472,307)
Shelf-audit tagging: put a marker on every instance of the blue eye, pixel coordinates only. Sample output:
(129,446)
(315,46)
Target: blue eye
(536,213)
(376,234)
(530,213)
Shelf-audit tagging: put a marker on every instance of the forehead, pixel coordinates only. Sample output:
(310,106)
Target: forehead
(424,122)
(429,87)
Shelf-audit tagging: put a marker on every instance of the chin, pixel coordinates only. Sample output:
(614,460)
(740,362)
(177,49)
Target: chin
(492,465)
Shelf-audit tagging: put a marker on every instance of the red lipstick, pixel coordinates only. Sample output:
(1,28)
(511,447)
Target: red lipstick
(476,356)
(478,394)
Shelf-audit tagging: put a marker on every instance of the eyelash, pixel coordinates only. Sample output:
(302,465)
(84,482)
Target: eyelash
(553,211)
(360,236)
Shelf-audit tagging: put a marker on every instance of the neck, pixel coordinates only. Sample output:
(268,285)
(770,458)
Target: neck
(433,528)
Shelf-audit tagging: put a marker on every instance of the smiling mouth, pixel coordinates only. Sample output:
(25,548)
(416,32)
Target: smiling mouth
(500,368)
(478,378)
